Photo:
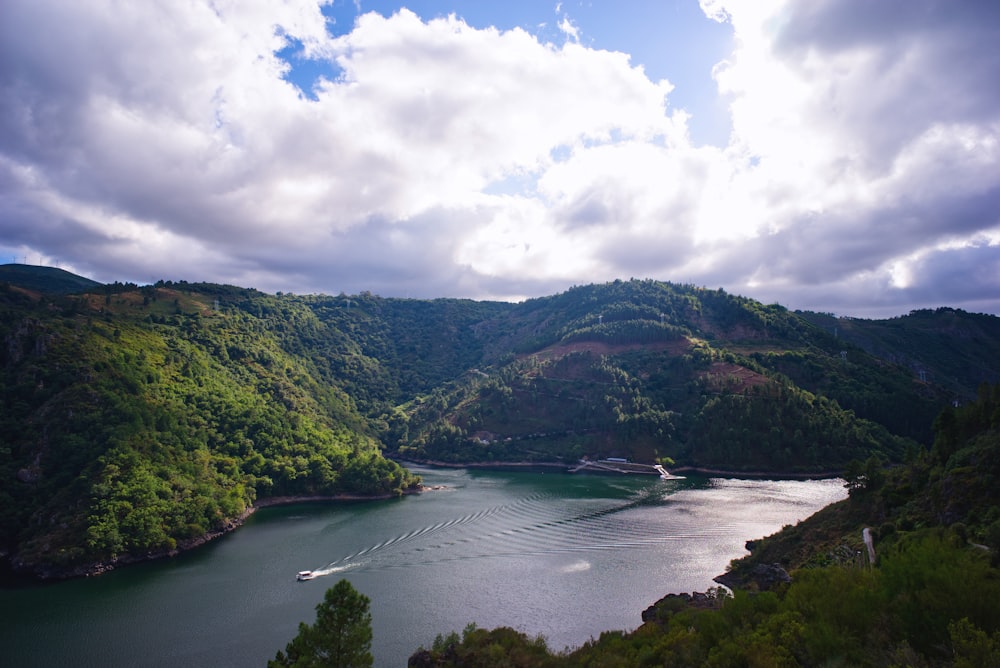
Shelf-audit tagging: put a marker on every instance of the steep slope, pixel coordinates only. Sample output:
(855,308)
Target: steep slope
(141,421)
(954,484)
(405,347)
(947,347)
(643,369)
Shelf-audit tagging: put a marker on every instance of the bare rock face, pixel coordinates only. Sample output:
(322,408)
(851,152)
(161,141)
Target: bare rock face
(671,603)
(762,577)
(769,576)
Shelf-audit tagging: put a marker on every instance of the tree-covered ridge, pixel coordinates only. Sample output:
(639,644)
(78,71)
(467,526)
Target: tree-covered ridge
(700,408)
(947,347)
(643,369)
(48,280)
(405,347)
(928,599)
(160,417)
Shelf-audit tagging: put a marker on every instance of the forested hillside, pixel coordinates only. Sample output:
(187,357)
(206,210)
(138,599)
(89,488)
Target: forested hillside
(947,347)
(647,370)
(138,419)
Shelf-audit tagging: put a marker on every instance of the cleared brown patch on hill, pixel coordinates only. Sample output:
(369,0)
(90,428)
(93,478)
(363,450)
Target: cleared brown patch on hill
(163,301)
(602,348)
(733,377)
(33,295)
(764,347)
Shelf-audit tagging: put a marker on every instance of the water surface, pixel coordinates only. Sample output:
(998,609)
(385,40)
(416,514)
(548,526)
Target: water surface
(554,554)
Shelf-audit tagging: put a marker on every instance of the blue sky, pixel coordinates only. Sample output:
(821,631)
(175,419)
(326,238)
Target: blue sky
(835,155)
(670,39)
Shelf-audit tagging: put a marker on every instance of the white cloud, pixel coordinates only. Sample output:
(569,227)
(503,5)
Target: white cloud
(569,29)
(448,160)
(866,152)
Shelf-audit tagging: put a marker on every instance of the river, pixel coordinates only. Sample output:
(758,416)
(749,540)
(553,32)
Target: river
(565,556)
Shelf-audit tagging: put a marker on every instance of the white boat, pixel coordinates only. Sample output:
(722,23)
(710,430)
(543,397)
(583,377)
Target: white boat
(302,576)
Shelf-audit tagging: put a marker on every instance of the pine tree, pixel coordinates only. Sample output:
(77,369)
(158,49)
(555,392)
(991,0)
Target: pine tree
(340,638)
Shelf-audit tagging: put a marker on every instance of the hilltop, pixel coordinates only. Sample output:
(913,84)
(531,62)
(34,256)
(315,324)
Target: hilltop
(139,419)
(45,280)
(647,370)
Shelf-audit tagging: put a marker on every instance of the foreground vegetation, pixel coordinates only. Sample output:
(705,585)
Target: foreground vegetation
(929,600)
(341,636)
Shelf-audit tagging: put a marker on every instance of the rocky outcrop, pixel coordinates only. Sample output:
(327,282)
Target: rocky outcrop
(662,610)
(762,577)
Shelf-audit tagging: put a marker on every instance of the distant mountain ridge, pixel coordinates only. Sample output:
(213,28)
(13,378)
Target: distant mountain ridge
(46,280)
(644,369)
(945,346)
(135,419)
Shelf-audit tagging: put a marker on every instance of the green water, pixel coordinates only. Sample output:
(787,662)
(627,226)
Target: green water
(561,555)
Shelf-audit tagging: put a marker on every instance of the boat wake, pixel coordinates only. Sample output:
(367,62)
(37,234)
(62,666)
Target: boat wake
(355,560)
(533,525)
(303,576)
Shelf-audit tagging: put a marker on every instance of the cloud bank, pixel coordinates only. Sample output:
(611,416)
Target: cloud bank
(141,141)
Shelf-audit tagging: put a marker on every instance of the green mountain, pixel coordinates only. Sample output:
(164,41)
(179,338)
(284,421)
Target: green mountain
(46,280)
(947,347)
(648,370)
(138,420)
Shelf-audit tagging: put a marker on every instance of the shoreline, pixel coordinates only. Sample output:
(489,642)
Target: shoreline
(55,574)
(485,466)
(567,468)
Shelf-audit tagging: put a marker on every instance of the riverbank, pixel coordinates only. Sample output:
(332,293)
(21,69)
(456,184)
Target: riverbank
(570,468)
(488,466)
(55,573)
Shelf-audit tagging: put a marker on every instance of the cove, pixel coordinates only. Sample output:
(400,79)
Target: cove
(565,556)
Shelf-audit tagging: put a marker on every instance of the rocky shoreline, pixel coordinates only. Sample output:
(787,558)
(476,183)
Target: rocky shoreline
(661,611)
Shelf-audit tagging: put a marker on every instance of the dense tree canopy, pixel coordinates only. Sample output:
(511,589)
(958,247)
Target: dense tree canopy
(138,426)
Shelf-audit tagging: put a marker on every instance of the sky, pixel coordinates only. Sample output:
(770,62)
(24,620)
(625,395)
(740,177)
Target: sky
(833,155)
